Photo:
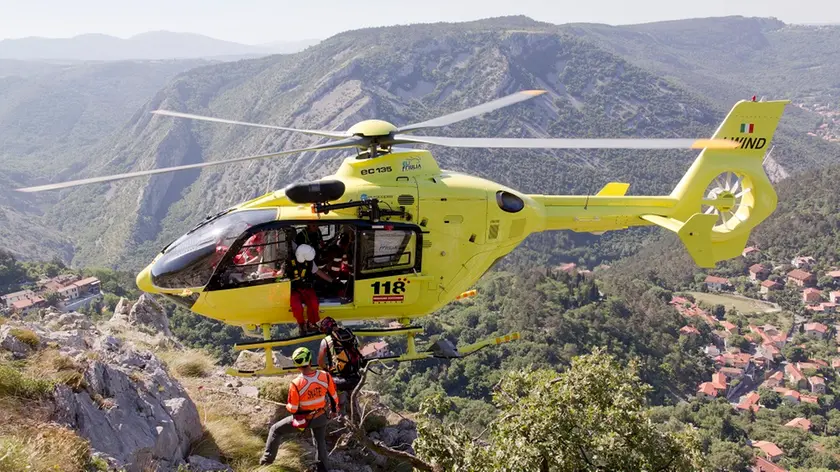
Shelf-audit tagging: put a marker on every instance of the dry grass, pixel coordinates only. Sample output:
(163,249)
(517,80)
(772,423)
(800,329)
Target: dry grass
(228,439)
(46,448)
(26,336)
(28,442)
(13,383)
(190,363)
(275,389)
(52,365)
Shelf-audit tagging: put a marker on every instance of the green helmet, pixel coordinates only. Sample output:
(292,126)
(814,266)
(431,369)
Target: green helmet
(301,356)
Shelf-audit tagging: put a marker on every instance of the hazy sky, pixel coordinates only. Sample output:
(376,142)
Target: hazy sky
(256,21)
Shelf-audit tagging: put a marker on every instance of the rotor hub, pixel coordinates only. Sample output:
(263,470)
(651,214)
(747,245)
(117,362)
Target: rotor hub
(372,128)
(724,199)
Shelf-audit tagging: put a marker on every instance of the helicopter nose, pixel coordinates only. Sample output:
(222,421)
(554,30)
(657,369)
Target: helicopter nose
(144,280)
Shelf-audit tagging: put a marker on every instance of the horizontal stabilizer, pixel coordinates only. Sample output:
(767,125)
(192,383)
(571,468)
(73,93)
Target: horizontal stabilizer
(696,235)
(613,189)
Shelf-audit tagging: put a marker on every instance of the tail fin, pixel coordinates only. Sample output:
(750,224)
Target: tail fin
(726,193)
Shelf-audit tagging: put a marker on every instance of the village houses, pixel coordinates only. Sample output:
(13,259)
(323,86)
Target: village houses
(758,272)
(801,278)
(68,288)
(717,283)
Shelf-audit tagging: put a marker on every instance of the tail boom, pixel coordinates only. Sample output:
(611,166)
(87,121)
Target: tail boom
(713,209)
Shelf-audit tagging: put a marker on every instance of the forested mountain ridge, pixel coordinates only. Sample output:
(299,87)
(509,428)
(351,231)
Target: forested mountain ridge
(400,74)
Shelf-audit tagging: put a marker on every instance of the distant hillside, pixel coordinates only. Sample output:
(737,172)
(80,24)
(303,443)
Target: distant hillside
(151,45)
(51,116)
(732,58)
(402,75)
(405,74)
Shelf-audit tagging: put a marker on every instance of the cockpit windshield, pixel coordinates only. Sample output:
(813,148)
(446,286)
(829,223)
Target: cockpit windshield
(190,261)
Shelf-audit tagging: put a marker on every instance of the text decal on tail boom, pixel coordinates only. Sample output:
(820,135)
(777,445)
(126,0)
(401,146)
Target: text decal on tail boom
(749,143)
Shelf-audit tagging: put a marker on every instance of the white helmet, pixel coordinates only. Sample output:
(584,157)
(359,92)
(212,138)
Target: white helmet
(305,252)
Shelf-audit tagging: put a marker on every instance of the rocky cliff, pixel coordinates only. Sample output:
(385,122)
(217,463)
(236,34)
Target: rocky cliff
(124,394)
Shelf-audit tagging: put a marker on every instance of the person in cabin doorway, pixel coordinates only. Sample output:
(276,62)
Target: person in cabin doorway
(301,270)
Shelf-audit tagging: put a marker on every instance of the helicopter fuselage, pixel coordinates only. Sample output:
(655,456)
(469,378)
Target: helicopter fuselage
(439,232)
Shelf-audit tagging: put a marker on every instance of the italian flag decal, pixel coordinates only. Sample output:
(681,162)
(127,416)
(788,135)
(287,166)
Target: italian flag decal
(747,128)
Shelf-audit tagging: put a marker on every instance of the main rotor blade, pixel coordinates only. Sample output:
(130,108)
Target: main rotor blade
(474,111)
(329,134)
(345,143)
(570,143)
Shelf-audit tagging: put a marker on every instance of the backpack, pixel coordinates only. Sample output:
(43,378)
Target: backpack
(345,358)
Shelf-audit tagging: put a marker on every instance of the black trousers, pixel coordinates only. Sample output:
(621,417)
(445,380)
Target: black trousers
(345,386)
(282,428)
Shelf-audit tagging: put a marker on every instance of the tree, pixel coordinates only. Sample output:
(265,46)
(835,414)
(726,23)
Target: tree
(591,417)
(719,311)
(739,341)
(726,456)
(768,398)
(794,353)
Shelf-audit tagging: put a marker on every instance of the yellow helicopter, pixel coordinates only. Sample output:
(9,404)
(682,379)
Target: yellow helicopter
(416,237)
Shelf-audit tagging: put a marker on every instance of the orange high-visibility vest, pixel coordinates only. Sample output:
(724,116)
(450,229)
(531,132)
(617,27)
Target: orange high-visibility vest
(309,392)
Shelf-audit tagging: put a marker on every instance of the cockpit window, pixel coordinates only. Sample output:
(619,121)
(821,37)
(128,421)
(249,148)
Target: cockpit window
(190,261)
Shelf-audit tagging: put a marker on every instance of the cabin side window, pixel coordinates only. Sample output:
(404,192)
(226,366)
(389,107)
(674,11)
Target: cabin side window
(386,249)
(259,258)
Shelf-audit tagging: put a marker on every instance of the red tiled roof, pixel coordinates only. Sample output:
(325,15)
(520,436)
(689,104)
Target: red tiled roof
(769,283)
(756,268)
(816,380)
(769,448)
(809,399)
(712,279)
(689,330)
(26,303)
(719,381)
(799,274)
(373,347)
(86,281)
(786,392)
(763,465)
(791,370)
(811,290)
(800,423)
(728,326)
(819,327)
(708,389)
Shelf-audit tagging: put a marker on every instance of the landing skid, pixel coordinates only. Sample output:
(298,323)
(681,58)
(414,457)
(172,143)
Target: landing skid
(441,349)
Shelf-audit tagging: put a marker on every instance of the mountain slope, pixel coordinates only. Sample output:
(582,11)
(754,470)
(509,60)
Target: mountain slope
(402,75)
(51,116)
(732,58)
(151,45)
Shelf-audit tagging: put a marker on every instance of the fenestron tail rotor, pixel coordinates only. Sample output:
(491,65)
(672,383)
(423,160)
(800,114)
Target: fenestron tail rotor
(727,196)
(378,135)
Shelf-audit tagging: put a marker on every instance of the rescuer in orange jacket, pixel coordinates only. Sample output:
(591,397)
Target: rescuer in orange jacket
(307,402)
